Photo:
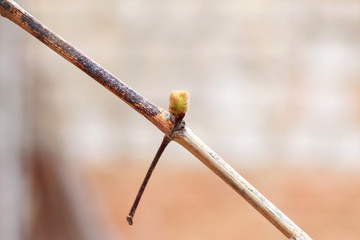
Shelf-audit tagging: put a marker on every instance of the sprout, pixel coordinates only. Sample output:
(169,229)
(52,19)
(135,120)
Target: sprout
(178,104)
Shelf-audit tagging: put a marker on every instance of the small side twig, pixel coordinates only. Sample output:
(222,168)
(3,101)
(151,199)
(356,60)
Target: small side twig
(178,105)
(166,140)
(159,117)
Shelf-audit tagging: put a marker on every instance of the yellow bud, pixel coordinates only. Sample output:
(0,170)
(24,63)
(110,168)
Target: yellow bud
(178,104)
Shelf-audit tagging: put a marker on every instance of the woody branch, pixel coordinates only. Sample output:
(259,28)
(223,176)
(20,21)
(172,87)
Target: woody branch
(159,117)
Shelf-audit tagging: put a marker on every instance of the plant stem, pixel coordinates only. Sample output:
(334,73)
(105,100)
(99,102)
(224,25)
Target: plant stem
(186,138)
(159,117)
(166,140)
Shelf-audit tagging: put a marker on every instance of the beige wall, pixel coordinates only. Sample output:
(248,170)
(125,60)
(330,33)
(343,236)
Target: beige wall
(272,82)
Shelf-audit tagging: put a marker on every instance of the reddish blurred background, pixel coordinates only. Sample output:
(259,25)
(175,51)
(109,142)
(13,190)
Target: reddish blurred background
(275,91)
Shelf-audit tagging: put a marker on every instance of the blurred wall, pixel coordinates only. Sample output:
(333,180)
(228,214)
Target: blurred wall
(272,82)
(13,194)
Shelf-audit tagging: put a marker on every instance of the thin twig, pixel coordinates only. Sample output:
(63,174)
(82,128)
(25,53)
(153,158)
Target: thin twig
(166,140)
(156,115)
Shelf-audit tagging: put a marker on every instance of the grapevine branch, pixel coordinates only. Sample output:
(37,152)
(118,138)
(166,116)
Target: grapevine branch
(159,117)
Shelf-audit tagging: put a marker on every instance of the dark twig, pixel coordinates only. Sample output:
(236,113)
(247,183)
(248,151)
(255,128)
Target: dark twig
(166,140)
(156,115)
(178,104)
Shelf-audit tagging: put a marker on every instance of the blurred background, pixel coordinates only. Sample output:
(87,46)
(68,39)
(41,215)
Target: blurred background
(275,91)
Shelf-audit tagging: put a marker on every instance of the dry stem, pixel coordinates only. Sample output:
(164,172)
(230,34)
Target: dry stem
(159,117)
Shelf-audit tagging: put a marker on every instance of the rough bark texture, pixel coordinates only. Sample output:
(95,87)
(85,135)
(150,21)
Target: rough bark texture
(159,117)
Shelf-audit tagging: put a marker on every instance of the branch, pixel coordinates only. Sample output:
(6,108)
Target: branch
(155,114)
(159,117)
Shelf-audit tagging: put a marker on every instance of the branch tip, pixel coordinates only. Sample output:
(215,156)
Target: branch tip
(130,220)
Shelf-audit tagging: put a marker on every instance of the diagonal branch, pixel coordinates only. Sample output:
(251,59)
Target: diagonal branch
(159,117)
(155,114)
